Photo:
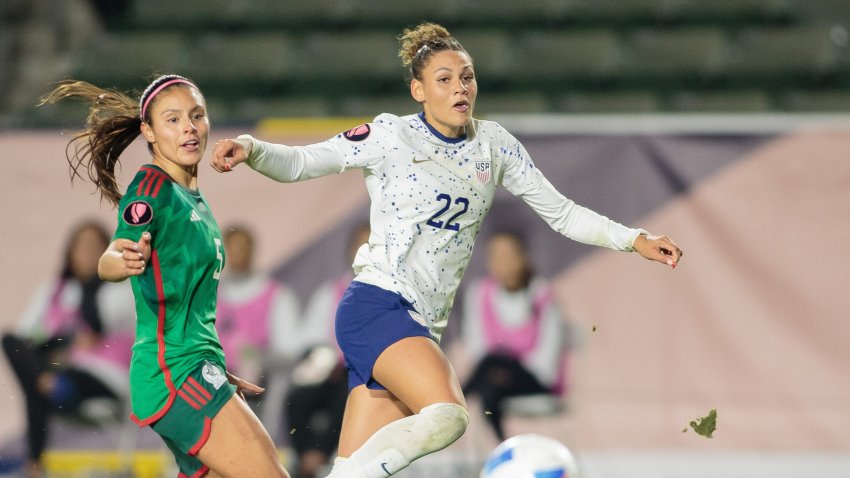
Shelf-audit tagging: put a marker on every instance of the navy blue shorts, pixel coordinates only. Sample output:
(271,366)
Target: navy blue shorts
(368,320)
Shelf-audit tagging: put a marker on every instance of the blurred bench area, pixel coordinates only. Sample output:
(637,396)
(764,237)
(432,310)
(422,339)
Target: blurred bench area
(315,58)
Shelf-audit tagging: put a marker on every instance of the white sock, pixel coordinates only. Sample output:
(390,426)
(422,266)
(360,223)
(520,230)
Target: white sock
(396,445)
(343,467)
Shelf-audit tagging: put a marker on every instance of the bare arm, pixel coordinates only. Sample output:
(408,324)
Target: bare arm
(124,258)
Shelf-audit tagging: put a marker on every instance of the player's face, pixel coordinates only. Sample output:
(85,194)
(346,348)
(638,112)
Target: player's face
(86,249)
(178,129)
(506,261)
(239,249)
(447,91)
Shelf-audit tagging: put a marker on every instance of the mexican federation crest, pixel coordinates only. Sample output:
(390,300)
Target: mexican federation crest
(213,375)
(482,171)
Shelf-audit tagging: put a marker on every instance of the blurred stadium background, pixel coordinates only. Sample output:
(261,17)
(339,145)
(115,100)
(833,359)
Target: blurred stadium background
(326,57)
(723,123)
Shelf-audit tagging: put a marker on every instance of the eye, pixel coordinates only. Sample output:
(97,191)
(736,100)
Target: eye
(443,79)
(171,120)
(198,116)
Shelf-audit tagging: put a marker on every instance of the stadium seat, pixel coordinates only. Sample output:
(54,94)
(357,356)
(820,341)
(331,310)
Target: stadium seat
(206,15)
(833,101)
(778,55)
(822,11)
(341,58)
(552,58)
(68,115)
(695,12)
(150,15)
(127,60)
(218,108)
(736,101)
(509,13)
(737,12)
(341,55)
(8,58)
(491,50)
(674,55)
(395,15)
(609,102)
(240,63)
(101,423)
(291,15)
(629,12)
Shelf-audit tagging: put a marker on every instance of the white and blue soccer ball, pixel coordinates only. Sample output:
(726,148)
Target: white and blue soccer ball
(530,456)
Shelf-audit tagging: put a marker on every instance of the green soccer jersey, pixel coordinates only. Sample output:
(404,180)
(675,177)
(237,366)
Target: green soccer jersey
(176,295)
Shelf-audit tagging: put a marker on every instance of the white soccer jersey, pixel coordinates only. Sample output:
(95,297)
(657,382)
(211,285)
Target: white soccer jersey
(429,196)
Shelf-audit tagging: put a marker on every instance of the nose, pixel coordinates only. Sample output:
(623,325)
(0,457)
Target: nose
(190,126)
(462,88)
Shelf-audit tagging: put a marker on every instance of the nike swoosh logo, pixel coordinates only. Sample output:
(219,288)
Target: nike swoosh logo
(384,467)
(417,161)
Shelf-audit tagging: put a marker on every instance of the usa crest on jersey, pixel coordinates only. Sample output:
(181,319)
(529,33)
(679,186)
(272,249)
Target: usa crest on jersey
(482,171)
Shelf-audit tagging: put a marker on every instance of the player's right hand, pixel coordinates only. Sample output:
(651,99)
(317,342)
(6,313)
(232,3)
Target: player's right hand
(228,153)
(135,254)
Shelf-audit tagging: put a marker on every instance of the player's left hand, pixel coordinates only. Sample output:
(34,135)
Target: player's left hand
(243,385)
(658,248)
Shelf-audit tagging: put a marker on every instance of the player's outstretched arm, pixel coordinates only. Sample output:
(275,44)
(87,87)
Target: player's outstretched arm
(228,153)
(658,248)
(124,258)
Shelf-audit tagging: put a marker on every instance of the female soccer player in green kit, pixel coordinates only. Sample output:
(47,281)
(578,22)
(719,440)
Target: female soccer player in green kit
(169,245)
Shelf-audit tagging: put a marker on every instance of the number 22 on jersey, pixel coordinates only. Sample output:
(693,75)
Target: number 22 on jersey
(462,204)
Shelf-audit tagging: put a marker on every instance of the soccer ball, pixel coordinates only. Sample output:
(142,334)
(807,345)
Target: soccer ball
(530,456)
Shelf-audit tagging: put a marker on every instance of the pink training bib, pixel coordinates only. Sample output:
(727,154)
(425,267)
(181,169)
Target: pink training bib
(520,341)
(60,318)
(245,323)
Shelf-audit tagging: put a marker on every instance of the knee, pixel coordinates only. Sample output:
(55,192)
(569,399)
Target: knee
(450,420)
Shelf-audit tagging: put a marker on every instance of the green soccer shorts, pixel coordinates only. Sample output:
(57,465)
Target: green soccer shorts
(186,426)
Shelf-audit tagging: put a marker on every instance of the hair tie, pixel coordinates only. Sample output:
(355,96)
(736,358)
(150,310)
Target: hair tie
(421,50)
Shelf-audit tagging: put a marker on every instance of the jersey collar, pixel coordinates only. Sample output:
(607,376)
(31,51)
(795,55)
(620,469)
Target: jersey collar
(439,135)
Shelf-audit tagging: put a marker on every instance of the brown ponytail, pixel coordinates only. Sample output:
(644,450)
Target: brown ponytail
(113,123)
(418,44)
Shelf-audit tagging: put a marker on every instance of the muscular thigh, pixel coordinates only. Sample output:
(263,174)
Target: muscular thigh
(417,372)
(238,444)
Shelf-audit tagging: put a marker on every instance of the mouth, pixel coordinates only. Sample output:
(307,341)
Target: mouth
(461,106)
(191,145)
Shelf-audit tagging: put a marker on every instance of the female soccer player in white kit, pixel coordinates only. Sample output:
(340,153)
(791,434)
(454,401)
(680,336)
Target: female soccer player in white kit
(431,179)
